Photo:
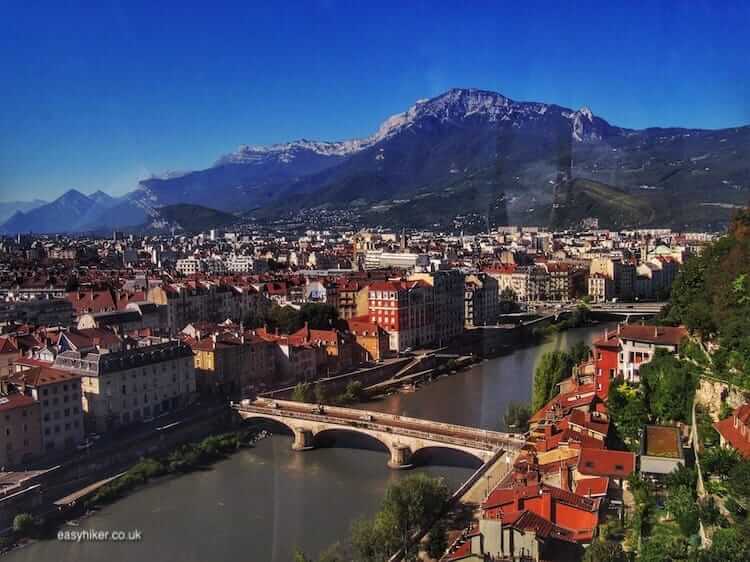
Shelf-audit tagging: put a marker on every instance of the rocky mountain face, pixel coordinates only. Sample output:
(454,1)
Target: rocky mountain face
(465,152)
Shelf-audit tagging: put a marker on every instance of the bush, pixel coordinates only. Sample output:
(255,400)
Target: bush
(605,551)
(23,524)
(303,392)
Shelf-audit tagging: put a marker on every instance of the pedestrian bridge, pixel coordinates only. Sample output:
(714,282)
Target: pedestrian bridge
(403,437)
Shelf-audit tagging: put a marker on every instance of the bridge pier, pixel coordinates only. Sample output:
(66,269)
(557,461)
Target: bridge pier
(400,457)
(304,440)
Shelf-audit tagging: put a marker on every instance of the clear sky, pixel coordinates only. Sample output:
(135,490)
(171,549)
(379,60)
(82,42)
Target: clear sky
(98,94)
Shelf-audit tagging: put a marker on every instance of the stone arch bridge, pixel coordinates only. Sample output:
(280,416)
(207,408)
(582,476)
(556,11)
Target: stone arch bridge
(402,436)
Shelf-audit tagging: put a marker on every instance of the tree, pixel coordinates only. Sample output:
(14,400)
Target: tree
(654,550)
(437,540)
(517,416)
(669,384)
(371,540)
(355,392)
(739,482)
(579,352)
(628,411)
(681,504)
(719,461)
(682,476)
(318,316)
(411,503)
(554,367)
(408,505)
(303,392)
(284,318)
(727,545)
(605,551)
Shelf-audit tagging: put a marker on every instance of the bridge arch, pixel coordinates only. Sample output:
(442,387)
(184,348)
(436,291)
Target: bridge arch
(271,420)
(446,455)
(328,436)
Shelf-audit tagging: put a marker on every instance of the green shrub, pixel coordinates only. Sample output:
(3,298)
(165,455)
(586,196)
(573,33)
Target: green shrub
(23,524)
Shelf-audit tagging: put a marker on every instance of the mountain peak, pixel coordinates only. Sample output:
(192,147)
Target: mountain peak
(72,195)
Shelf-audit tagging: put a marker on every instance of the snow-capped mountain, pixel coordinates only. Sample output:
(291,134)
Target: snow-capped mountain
(455,105)
(464,151)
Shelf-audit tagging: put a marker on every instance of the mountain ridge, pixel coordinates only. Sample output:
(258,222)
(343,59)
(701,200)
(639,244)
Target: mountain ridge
(476,150)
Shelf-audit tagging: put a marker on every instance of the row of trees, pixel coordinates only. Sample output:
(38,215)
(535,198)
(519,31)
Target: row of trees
(555,366)
(318,394)
(288,319)
(711,296)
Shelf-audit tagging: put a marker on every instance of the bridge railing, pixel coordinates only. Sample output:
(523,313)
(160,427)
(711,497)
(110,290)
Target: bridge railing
(381,417)
(489,445)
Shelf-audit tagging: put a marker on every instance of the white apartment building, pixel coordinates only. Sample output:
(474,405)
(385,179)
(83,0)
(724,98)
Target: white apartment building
(138,383)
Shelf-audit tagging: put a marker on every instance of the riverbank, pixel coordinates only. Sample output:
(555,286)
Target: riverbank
(183,459)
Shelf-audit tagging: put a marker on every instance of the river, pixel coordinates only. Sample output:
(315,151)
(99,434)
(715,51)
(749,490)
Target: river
(259,504)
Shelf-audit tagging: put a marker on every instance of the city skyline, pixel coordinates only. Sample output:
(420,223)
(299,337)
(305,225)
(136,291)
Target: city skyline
(150,99)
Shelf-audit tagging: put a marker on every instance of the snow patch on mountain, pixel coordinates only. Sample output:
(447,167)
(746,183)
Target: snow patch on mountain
(453,106)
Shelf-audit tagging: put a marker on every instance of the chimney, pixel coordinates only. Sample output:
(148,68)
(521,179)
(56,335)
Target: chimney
(656,331)
(546,505)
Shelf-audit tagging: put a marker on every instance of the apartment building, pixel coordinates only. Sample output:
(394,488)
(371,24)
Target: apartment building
(21,433)
(58,393)
(481,300)
(448,297)
(206,302)
(638,343)
(228,363)
(405,310)
(351,299)
(139,382)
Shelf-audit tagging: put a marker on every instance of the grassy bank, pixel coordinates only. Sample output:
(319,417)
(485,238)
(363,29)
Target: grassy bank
(183,459)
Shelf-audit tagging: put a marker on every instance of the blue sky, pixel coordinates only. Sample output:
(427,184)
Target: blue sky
(98,94)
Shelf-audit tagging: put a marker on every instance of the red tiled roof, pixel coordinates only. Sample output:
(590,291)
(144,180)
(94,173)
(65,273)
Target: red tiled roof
(13,401)
(39,376)
(31,362)
(461,551)
(663,335)
(598,462)
(593,487)
(733,435)
(541,527)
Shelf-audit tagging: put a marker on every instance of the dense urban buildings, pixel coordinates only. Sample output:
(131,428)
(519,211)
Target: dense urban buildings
(163,323)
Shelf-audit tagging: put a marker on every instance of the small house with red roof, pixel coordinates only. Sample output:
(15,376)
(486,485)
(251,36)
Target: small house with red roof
(734,431)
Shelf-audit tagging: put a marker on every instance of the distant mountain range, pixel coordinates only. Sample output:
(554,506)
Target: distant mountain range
(464,153)
(9,208)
